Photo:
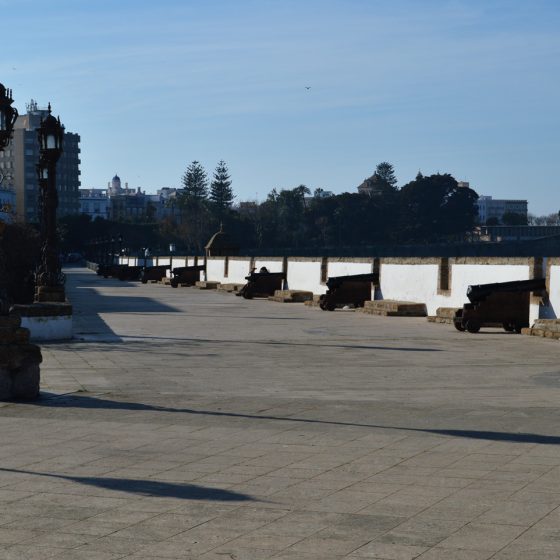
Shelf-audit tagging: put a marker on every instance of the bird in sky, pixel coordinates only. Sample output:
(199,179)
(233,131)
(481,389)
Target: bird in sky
(307,87)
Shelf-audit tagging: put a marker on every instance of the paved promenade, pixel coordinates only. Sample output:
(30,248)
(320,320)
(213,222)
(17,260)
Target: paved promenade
(187,424)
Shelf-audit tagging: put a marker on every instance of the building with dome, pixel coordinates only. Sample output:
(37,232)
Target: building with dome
(374,186)
(127,204)
(114,187)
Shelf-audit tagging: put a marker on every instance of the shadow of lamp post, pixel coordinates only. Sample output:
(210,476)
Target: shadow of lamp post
(19,360)
(49,277)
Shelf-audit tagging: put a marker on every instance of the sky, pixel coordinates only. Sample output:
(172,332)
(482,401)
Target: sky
(467,87)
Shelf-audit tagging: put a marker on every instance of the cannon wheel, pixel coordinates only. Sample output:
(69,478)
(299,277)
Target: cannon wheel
(458,321)
(472,326)
(247,294)
(144,280)
(174,283)
(508,326)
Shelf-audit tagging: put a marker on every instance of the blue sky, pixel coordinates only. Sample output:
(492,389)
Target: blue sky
(467,87)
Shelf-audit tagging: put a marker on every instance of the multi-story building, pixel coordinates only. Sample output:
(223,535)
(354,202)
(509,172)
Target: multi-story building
(94,203)
(7,205)
(493,208)
(118,203)
(18,164)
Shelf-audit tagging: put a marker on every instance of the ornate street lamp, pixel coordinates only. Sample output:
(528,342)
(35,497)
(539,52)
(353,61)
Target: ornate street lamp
(8,116)
(19,360)
(112,250)
(49,277)
(171,251)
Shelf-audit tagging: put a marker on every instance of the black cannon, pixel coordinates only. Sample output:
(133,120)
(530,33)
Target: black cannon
(501,304)
(186,275)
(154,273)
(127,272)
(262,284)
(110,270)
(347,290)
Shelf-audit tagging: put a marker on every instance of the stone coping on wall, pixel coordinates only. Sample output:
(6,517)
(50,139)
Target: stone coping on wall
(43,309)
(493,260)
(385,260)
(409,260)
(367,260)
(301,259)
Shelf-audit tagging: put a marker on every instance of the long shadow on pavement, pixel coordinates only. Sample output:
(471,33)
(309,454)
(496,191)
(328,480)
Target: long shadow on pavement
(134,338)
(100,303)
(73,401)
(152,488)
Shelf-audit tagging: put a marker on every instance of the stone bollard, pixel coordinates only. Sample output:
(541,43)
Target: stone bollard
(19,361)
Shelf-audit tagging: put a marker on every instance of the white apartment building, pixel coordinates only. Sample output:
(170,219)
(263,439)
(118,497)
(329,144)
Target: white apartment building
(489,207)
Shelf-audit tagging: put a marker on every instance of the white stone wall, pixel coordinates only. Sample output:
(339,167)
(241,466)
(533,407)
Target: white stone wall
(238,269)
(273,265)
(48,328)
(340,267)
(411,282)
(553,311)
(215,269)
(414,280)
(305,275)
(179,262)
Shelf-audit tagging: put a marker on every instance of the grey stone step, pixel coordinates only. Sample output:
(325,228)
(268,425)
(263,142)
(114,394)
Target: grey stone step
(394,308)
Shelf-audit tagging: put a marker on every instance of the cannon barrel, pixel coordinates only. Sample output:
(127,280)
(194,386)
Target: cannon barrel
(180,269)
(254,276)
(480,292)
(337,281)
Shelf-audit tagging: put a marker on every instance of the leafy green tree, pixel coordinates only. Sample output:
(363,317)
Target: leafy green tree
(195,182)
(435,207)
(514,219)
(386,172)
(195,226)
(221,193)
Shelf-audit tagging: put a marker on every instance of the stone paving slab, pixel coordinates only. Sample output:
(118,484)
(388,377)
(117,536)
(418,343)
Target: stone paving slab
(194,424)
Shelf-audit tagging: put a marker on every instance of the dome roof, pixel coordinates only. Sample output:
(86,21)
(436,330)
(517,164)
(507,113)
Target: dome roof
(374,185)
(116,178)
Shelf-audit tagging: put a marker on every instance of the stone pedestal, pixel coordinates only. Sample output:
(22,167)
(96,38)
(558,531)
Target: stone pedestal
(50,293)
(19,361)
(46,321)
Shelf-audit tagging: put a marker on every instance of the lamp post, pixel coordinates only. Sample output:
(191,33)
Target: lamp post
(8,116)
(171,251)
(49,277)
(19,360)
(112,251)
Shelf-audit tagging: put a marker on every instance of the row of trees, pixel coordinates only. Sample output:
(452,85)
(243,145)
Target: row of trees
(201,204)
(428,209)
